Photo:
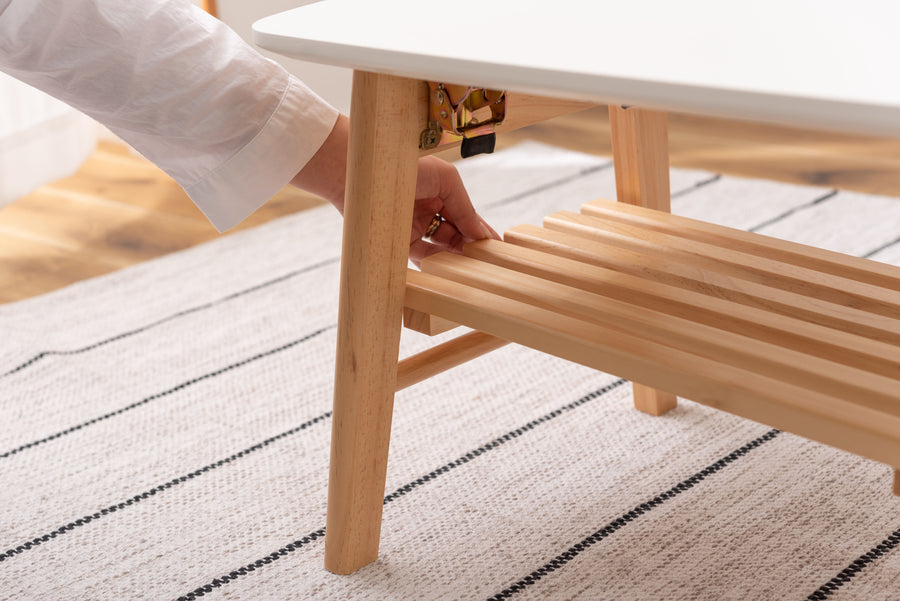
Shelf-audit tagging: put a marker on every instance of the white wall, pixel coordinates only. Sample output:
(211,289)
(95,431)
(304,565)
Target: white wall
(41,139)
(332,83)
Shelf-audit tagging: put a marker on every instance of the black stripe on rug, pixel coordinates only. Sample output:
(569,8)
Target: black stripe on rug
(497,442)
(251,567)
(548,186)
(881,248)
(182,313)
(83,521)
(856,566)
(796,209)
(165,393)
(404,490)
(630,516)
(701,184)
(584,173)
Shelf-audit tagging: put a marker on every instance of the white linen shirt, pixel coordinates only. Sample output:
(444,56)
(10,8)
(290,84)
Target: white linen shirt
(229,125)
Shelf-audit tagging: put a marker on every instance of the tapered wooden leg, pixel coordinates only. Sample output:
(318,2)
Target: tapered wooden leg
(381,180)
(640,143)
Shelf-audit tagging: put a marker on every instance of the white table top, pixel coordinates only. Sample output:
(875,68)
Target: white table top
(825,64)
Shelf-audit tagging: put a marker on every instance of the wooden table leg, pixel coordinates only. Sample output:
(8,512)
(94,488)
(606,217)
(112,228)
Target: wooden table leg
(381,180)
(640,143)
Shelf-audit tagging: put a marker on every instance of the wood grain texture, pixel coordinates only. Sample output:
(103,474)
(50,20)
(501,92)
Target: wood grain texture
(665,270)
(378,210)
(823,417)
(426,324)
(687,303)
(210,7)
(640,145)
(788,361)
(447,355)
(823,260)
(768,354)
(759,268)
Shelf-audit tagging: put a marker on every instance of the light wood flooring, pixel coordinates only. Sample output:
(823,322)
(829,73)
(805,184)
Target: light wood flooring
(119,209)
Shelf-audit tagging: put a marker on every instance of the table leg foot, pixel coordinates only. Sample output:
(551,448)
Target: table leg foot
(653,401)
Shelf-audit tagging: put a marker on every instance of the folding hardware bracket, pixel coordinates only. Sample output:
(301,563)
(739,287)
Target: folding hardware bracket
(460,113)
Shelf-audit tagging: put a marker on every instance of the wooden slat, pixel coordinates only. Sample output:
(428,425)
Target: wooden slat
(783,251)
(667,330)
(614,309)
(660,266)
(802,336)
(848,425)
(735,264)
(426,324)
(523,110)
(442,357)
(676,319)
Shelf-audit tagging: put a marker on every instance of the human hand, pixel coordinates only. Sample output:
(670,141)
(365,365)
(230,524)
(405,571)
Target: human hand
(439,191)
(443,206)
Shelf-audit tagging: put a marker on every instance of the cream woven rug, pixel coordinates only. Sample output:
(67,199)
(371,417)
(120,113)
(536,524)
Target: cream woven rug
(164,434)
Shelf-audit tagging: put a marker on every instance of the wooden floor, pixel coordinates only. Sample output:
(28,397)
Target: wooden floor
(119,209)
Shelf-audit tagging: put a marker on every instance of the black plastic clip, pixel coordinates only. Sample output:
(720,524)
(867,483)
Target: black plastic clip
(483,144)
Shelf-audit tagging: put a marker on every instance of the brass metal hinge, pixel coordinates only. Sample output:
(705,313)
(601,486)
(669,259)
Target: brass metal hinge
(461,113)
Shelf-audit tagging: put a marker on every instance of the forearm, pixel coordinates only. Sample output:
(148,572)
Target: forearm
(325,173)
(229,125)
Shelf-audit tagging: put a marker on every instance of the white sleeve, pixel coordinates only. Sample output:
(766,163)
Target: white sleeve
(229,125)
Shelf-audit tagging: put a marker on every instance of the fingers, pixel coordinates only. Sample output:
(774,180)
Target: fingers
(448,237)
(491,230)
(445,238)
(424,210)
(439,179)
(420,249)
(440,190)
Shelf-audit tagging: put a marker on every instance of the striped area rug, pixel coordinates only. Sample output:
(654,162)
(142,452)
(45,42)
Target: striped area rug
(164,434)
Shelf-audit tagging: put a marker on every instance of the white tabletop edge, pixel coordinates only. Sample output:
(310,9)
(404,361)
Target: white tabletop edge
(743,104)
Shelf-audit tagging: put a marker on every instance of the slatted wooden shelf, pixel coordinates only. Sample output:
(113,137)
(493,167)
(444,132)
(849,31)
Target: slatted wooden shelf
(799,338)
